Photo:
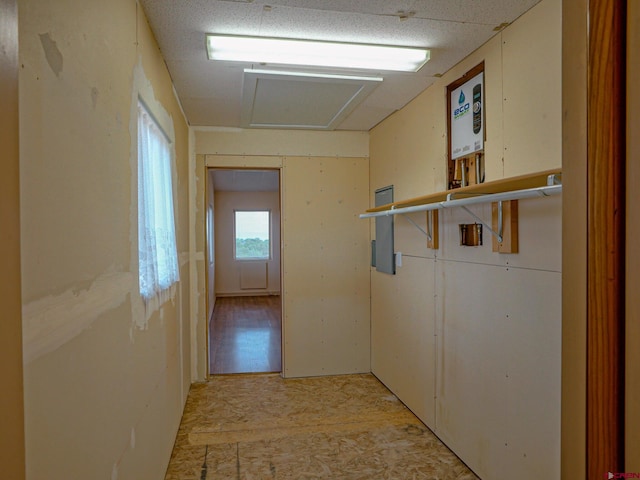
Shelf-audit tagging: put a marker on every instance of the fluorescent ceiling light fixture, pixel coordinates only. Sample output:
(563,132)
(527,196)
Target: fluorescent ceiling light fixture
(328,76)
(283,51)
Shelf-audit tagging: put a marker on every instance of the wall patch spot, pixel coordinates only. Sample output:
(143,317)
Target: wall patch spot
(94,97)
(52,53)
(51,321)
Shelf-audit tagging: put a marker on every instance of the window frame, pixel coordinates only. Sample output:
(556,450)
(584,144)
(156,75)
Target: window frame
(163,270)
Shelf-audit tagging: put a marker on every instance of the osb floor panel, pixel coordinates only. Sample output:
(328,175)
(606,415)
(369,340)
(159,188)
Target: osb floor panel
(341,427)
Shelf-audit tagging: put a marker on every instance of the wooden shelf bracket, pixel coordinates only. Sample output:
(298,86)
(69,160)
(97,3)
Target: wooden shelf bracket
(426,232)
(432,228)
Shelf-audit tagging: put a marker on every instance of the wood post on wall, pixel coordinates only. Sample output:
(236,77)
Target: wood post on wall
(12,436)
(605,237)
(432,228)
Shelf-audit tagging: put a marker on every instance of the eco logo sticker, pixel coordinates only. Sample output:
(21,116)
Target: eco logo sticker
(463,107)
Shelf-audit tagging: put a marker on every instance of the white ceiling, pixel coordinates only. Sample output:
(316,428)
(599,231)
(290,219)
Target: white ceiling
(211,93)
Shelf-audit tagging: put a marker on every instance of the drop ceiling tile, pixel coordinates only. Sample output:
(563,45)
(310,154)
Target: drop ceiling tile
(206,80)
(282,100)
(397,91)
(371,7)
(227,113)
(492,12)
(365,115)
(488,12)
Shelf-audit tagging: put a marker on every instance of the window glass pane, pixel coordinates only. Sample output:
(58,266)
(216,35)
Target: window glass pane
(252,235)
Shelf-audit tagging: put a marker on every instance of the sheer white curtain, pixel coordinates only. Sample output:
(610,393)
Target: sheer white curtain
(157,253)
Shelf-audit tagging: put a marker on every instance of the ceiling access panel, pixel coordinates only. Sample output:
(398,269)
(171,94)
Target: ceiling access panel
(275,99)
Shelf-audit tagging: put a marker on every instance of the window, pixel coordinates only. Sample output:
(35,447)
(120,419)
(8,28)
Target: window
(157,254)
(252,235)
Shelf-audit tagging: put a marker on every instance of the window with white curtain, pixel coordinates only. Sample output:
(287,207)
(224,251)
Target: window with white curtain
(157,253)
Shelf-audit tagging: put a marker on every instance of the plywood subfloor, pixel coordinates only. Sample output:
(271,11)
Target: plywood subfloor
(339,427)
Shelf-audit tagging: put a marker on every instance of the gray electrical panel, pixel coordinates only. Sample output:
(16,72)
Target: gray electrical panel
(384,255)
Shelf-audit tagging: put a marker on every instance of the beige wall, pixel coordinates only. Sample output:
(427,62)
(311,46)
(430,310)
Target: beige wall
(325,275)
(325,254)
(105,380)
(234,142)
(227,267)
(469,339)
(12,456)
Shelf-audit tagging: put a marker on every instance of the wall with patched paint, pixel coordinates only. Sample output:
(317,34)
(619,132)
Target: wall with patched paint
(105,377)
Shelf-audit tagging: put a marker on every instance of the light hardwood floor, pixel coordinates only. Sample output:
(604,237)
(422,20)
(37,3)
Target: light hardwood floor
(245,335)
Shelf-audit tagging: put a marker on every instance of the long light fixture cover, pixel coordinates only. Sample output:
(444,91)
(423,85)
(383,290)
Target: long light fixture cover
(283,51)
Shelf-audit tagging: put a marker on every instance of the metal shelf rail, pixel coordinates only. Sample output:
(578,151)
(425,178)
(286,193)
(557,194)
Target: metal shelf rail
(490,192)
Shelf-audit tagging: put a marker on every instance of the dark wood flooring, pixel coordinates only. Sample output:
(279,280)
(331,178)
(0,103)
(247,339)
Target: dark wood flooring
(245,335)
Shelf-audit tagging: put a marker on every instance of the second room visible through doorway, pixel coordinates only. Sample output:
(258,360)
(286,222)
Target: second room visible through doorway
(243,275)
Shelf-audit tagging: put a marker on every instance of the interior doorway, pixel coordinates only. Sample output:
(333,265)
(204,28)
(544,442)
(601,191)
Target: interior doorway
(243,274)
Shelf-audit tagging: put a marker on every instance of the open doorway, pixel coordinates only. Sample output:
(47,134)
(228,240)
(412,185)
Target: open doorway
(243,274)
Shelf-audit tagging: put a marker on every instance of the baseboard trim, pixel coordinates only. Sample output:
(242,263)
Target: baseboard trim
(247,293)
